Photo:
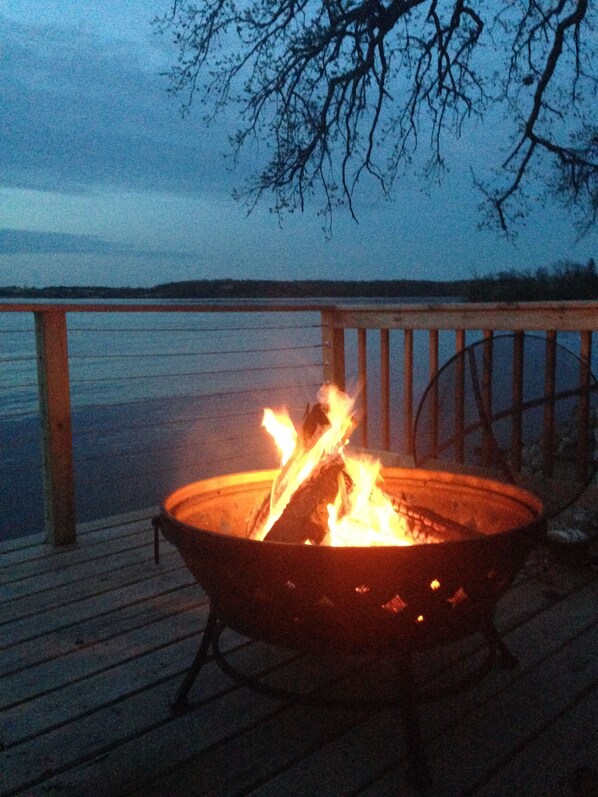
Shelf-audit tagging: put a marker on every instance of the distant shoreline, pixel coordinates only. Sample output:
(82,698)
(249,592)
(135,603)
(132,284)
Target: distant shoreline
(246,289)
(564,281)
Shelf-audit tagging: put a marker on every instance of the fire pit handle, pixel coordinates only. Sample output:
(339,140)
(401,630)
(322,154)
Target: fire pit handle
(157,528)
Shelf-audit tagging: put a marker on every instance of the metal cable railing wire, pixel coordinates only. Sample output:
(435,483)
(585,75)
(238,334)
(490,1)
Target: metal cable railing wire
(19,359)
(138,475)
(265,389)
(23,414)
(178,374)
(18,385)
(166,423)
(185,422)
(173,355)
(136,421)
(170,447)
(229,328)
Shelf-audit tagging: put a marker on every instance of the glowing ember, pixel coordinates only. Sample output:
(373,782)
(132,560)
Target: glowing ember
(361,513)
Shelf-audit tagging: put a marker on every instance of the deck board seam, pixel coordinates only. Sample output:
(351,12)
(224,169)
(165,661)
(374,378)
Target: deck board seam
(553,719)
(106,668)
(51,553)
(84,577)
(66,625)
(173,676)
(87,645)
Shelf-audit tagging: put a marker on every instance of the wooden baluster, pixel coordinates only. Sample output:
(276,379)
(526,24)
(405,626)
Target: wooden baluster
(362,368)
(583,414)
(408,390)
(549,405)
(517,401)
(460,396)
(433,371)
(487,394)
(55,413)
(385,388)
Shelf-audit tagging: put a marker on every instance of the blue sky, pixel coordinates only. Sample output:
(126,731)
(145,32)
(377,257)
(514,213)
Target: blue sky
(103,182)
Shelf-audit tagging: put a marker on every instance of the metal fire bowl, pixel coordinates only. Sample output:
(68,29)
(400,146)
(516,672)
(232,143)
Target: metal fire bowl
(355,599)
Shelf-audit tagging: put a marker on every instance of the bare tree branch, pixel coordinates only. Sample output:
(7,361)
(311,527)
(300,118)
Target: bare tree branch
(338,89)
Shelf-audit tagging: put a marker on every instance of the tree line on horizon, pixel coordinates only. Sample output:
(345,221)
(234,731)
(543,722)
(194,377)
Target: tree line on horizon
(564,280)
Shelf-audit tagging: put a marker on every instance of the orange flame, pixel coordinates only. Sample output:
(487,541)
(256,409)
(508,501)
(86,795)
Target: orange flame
(362,514)
(283,431)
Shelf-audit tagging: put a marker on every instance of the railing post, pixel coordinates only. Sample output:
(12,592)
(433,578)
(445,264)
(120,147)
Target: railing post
(55,413)
(333,350)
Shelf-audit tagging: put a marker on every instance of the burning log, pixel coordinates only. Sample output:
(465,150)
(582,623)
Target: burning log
(324,495)
(426,526)
(305,518)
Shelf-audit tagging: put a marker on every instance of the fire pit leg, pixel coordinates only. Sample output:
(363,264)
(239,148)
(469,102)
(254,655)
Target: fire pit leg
(497,643)
(180,700)
(156,525)
(418,772)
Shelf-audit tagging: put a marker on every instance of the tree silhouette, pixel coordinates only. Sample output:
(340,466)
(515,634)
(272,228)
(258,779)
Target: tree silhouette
(338,89)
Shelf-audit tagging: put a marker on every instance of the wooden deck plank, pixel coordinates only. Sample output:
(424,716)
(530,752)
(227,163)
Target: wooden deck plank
(90,672)
(555,762)
(59,672)
(35,543)
(153,581)
(24,563)
(123,712)
(73,580)
(137,762)
(261,751)
(100,690)
(463,752)
(208,765)
(493,733)
(335,767)
(90,631)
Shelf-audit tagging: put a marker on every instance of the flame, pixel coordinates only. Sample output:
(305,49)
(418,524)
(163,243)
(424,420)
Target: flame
(364,515)
(361,514)
(282,430)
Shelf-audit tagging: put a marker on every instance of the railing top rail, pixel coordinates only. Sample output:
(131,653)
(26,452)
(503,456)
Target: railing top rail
(511,316)
(203,307)
(507,316)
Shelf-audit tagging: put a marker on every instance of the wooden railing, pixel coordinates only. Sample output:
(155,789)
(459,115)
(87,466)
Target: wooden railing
(458,320)
(54,392)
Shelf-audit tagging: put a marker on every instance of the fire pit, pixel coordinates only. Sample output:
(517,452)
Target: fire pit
(358,599)
(275,553)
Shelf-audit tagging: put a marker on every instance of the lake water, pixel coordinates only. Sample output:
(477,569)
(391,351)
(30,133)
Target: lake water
(160,399)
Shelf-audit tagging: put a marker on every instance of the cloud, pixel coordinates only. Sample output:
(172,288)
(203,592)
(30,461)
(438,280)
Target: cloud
(18,242)
(80,111)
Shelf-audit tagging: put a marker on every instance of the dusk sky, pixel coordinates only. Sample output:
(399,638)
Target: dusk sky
(102,182)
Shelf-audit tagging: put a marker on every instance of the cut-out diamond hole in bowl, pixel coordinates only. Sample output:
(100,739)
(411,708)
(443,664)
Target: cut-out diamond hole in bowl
(395,605)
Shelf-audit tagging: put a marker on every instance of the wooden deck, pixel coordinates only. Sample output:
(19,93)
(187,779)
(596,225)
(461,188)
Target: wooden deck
(95,638)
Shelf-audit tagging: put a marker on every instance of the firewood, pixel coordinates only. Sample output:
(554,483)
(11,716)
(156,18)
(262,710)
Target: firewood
(314,421)
(305,518)
(427,526)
